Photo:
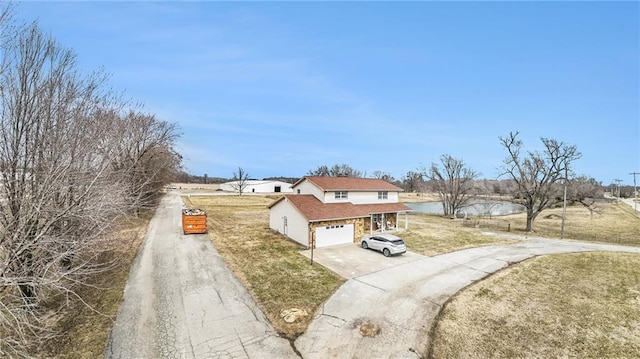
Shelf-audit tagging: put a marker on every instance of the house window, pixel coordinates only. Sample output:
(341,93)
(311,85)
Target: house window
(276,189)
(298,190)
(341,194)
(383,195)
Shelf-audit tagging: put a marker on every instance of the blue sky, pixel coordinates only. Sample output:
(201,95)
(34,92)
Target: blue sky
(279,88)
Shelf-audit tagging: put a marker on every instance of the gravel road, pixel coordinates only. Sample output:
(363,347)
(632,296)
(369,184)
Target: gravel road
(181,301)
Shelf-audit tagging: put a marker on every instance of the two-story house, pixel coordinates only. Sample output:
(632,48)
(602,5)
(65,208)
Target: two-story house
(327,211)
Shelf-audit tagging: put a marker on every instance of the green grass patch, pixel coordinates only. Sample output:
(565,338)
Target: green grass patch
(268,264)
(583,305)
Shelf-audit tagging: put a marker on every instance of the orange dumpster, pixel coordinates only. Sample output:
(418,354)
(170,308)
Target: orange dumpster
(194,221)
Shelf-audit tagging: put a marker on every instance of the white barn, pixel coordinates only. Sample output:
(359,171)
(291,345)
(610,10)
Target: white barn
(259,186)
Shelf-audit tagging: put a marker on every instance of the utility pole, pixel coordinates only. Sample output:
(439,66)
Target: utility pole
(635,192)
(617,181)
(564,202)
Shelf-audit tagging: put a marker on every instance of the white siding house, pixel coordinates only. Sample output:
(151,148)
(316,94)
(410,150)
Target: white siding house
(282,219)
(326,211)
(307,187)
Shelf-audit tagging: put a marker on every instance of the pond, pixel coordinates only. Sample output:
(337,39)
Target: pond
(475,208)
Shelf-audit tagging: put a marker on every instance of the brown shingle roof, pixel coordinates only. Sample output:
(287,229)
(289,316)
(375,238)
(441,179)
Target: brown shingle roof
(314,210)
(350,184)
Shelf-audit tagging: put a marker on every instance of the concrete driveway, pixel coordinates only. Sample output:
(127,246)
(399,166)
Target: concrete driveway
(350,260)
(182,301)
(404,300)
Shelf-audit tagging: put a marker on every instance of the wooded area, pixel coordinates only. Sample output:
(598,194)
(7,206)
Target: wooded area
(74,160)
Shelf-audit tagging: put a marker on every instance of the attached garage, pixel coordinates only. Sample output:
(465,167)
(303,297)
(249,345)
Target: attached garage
(306,220)
(333,235)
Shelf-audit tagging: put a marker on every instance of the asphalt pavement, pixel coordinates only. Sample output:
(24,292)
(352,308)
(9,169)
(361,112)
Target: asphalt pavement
(181,301)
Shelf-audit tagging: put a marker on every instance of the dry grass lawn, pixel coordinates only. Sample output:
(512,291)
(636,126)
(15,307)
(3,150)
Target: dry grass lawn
(196,187)
(268,264)
(432,235)
(615,223)
(571,305)
(418,197)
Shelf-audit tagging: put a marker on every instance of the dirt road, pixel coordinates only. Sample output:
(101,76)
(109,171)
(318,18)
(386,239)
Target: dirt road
(181,301)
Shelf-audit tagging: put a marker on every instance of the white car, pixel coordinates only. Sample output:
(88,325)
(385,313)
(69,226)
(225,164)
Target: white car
(388,244)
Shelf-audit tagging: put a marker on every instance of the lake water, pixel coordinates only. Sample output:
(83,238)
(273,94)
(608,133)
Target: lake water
(477,208)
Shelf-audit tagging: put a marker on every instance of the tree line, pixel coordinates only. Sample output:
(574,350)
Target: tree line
(74,160)
(534,179)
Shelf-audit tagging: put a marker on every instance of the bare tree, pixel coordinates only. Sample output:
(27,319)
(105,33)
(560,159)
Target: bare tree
(586,190)
(413,181)
(322,171)
(453,182)
(344,170)
(337,170)
(240,180)
(57,189)
(386,176)
(61,189)
(537,175)
(145,156)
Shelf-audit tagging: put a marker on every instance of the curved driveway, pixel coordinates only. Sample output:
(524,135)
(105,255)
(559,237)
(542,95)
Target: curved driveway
(404,300)
(181,301)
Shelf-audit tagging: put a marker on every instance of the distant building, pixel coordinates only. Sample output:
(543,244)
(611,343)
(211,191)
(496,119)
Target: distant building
(258,186)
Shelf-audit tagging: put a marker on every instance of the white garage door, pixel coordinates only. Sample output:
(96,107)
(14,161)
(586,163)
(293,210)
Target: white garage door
(332,235)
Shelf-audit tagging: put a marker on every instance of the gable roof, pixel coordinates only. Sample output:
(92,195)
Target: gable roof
(349,184)
(314,210)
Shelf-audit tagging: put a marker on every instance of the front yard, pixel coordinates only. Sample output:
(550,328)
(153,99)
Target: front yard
(280,278)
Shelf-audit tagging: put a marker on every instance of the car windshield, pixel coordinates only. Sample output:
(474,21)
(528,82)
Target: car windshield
(397,242)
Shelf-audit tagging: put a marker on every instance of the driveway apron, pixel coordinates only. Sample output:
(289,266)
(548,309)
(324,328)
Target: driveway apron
(404,300)
(181,301)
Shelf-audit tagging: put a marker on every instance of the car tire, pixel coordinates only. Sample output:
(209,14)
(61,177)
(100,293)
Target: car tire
(386,252)
(365,245)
